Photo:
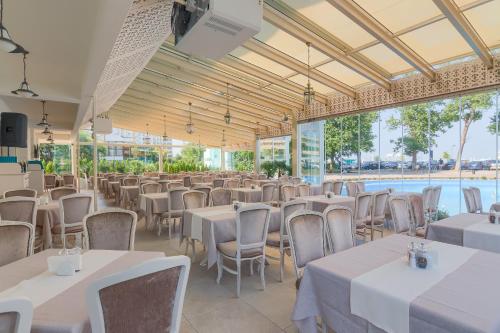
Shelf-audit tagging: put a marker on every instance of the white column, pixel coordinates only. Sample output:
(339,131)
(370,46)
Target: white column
(222,159)
(94,145)
(160,159)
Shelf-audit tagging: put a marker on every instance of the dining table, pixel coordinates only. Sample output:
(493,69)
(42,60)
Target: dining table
(466,229)
(47,217)
(247,194)
(59,302)
(152,204)
(128,195)
(318,203)
(371,288)
(214,225)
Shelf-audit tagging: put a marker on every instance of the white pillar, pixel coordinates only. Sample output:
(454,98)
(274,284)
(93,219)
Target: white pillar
(160,159)
(94,145)
(222,159)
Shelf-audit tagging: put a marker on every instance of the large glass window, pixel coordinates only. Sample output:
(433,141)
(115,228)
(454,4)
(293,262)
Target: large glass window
(55,158)
(311,151)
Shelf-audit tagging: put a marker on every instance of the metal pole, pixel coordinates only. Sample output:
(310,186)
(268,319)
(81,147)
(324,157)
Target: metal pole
(94,145)
(379,159)
(402,150)
(359,146)
(460,157)
(429,143)
(496,151)
(341,148)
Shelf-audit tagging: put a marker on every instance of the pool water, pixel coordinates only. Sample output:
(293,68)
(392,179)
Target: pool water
(452,199)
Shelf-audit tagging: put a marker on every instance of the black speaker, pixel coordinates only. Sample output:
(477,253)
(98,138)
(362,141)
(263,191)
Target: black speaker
(13,130)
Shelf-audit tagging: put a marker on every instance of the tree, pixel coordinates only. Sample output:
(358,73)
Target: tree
(243,160)
(192,153)
(446,155)
(422,123)
(341,135)
(473,107)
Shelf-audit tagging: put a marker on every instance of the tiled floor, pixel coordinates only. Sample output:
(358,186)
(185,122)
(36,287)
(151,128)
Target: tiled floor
(209,307)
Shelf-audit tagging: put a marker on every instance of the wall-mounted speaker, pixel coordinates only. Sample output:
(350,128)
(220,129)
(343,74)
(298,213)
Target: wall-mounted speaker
(13,130)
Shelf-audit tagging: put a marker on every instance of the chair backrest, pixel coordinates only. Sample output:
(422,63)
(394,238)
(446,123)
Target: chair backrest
(232,183)
(194,199)
(470,202)
(252,222)
(163,185)
(427,197)
(340,228)
(16,315)
(16,241)
(68,180)
(207,190)
(352,189)
(221,197)
(287,209)
(400,212)
(436,196)
(25,192)
(50,180)
(172,185)
(150,188)
(268,192)
(145,298)
(361,187)
(187,181)
(379,204)
(207,179)
(415,201)
(306,232)
(110,229)
(164,176)
(248,183)
(362,207)
(218,183)
(262,177)
(337,187)
(296,180)
(288,192)
(73,208)
(129,181)
(327,186)
(303,190)
(18,209)
(476,193)
(175,202)
(59,192)
(196,179)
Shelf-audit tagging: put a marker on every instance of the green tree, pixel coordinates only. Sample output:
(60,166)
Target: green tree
(346,140)
(446,155)
(473,107)
(243,160)
(420,129)
(192,153)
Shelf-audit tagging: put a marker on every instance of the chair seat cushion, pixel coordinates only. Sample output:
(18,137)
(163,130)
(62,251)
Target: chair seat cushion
(229,250)
(273,239)
(71,230)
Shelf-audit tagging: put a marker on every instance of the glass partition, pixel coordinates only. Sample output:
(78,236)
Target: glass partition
(311,151)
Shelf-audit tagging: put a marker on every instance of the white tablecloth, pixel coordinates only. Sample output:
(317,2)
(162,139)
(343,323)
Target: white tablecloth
(382,296)
(196,221)
(483,235)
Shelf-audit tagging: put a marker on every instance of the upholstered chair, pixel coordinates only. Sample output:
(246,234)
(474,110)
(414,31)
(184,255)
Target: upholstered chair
(303,190)
(175,209)
(110,229)
(415,202)
(205,189)
(337,187)
(327,186)
(59,192)
(400,212)
(72,209)
(218,183)
(377,214)
(172,185)
(340,228)
(148,188)
(22,209)
(470,202)
(163,185)
(248,183)
(288,192)
(262,177)
(279,239)
(164,176)
(145,298)
(252,222)
(476,193)
(306,233)
(68,180)
(16,241)
(192,200)
(362,212)
(352,189)
(207,179)
(221,197)
(16,315)
(296,180)
(49,181)
(268,194)
(130,181)
(187,181)
(196,179)
(232,183)
(427,198)
(26,192)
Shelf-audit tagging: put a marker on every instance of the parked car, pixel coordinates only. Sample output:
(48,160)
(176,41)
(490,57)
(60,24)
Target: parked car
(474,166)
(449,165)
(389,165)
(369,165)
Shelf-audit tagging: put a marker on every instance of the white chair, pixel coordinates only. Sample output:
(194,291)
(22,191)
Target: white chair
(337,187)
(147,188)
(25,192)
(268,191)
(252,222)
(22,209)
(362,212)
(72,210)
(59,192)
(470,201)
(327,186)
(401,214)
(232,183)
(175,209)
(476,193)
(296,180)
(377,214)
(279,239)
(340,228)
(352,189)
(145,298)
(16,315)
(110,229)
(221,197)
(288,192)
(427,198)
(303,190)
(192,199)
(205,189)
(16,241)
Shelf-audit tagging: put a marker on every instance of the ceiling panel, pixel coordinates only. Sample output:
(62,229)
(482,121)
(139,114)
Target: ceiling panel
(386,58)
(261,61)
(319,87)
(486,24)
(342,73)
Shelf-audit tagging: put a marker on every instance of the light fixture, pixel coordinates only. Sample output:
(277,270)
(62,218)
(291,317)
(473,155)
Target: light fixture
(190,125)
(50,138)
(147,139)
(309,91)
(6,42)
(25,90)
(223,138)
(47,131)
(44,122)
(165,136)
(227,116)
(285,117)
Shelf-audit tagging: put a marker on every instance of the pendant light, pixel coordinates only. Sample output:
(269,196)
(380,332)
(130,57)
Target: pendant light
(190,125)
(6,42)
(50,139)
(147,139)
(46,131)
(25,90)
(165,136)
(223,138)
(309,91)
(227,116)
(44,122)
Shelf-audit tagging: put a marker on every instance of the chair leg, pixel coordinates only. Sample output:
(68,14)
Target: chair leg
(238,277)
(371,232)
(219,267)
(324,327)
(262,268)
(194,249)
(282,264)
(187,247)
(169,229)
(251,267)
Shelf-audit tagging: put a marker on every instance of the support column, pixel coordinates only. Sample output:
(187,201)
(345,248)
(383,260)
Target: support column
(77,164)
(222,159)
(94,146)
(256,159)
(160,159)
(295,150)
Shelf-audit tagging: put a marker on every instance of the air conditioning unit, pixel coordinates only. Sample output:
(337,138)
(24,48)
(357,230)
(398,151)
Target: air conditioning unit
(213,28)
